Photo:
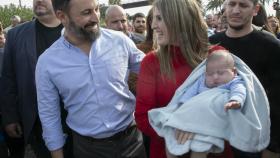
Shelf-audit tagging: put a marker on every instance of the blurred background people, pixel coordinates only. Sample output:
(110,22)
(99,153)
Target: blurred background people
(116,19)
(15,20)
(139,25)
(274,25)
(260,20)
(209,22)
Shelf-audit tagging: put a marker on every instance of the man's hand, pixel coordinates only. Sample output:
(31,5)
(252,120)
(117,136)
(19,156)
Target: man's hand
(232,105)
(183,136)
(14,130)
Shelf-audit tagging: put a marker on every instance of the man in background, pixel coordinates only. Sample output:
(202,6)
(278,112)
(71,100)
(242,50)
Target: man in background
(24,45)
(15,20)
(116,19)
(260,51)
(139,26)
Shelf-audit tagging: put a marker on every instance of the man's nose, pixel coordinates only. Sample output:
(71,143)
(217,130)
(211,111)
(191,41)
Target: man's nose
(95,16)
(236,9)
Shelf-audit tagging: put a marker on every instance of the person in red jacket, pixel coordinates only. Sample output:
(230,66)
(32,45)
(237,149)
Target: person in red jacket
(182,37)
(181,34)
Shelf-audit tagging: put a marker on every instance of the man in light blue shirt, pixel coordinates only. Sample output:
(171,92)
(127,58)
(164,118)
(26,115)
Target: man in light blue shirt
(88,68)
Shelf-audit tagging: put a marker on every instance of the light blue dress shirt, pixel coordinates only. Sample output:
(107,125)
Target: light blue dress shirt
(93,88)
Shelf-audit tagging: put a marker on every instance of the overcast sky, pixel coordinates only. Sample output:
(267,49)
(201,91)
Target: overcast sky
(131,11)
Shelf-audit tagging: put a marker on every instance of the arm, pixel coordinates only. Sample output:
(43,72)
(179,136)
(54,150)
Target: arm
(9,91)
(192,90)
(135,56)
(146,96)
(237,94)
(49,108)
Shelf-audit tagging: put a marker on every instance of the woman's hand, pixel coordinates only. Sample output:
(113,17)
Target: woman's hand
(183,136)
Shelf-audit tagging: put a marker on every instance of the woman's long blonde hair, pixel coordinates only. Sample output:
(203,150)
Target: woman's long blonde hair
(277,30)
(186,26)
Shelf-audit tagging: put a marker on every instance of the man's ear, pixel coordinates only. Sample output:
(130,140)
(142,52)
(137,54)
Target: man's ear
(61,16)
(256,9)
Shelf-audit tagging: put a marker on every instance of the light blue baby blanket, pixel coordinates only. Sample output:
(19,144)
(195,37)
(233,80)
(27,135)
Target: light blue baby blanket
(247,129)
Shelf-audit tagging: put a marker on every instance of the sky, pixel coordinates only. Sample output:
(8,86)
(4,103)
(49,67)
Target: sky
(131,11)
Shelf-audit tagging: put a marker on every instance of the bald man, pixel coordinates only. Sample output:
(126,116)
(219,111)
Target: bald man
(116,19)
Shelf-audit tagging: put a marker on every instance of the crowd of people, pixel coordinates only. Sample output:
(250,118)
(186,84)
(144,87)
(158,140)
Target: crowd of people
(141,88)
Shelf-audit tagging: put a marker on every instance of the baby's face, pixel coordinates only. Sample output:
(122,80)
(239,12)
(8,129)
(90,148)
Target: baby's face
(218,73)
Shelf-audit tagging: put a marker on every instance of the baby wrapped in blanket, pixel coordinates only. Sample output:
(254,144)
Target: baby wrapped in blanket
(222,99)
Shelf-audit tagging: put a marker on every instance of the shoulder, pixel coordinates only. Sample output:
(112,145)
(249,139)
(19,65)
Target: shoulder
(112,34)
(137,38)
(216,38)
(117,37)
(22,30)
(151,58)
(53,51)
(266,38)
(23,27)
(262,34)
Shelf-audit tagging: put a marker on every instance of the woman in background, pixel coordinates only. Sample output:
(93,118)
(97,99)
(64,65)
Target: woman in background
(274,25)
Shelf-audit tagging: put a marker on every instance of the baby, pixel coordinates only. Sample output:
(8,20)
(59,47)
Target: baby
(220,73)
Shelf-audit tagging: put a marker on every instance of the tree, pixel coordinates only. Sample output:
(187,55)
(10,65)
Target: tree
(19,2)
(118,2)
(263,2)
(7,11)
(215,5)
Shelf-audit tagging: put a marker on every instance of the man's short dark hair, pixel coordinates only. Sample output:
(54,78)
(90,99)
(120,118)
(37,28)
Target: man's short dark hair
(137,15)
(60,5)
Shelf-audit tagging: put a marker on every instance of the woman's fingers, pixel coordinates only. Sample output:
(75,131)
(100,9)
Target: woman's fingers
(183,136)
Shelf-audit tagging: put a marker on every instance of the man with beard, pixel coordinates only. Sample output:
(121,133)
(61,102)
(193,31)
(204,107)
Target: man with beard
(24,45)
(116,19)
(88,67)
(139,25)
(260,51)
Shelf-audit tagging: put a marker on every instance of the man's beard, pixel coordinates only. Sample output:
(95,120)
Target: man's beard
(140,30)
(236,28)
(40,13)
(82,33)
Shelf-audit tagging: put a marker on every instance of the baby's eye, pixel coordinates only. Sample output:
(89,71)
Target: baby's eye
(221,72)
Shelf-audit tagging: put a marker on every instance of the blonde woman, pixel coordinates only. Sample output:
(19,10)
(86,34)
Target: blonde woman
(181,34)
(273,22)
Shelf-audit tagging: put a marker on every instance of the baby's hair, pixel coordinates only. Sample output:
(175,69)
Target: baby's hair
(218,54)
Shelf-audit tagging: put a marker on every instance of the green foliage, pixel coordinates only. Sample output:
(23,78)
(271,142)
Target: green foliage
(115,2)
(217,4)
(7,11)
(102,14)
(214,5)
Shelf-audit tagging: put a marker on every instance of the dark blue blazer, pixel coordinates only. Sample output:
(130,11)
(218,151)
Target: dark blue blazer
(18,92)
